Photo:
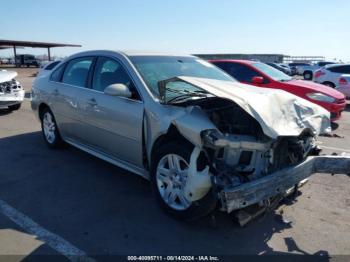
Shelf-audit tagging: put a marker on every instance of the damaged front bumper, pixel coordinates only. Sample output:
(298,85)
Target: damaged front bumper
(12,98)
(279,182)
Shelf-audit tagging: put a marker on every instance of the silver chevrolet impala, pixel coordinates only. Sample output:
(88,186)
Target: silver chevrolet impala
(202,139)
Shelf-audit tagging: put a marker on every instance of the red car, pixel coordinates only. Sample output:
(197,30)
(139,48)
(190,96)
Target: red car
(263,75)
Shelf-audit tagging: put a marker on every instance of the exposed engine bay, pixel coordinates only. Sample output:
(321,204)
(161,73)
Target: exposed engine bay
(11,91)
(9,86)
(247,167)
(240,152)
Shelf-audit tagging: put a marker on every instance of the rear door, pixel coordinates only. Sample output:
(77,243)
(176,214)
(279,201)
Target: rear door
(67,86)
(112,124)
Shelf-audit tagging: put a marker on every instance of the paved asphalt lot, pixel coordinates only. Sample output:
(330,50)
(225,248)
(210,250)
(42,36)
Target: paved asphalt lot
(101,209)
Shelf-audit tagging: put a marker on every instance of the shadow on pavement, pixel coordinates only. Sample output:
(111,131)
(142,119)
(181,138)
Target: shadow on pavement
(347,108)
(5,111)
(104,210)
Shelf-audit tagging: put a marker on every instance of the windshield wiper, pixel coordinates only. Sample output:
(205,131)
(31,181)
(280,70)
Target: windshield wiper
(186,94)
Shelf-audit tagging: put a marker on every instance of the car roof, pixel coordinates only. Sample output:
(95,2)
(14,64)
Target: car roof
(125,53)
(150,53)
(248,62)
(335,65)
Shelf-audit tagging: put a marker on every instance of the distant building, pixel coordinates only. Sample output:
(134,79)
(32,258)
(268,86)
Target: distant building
(267,58)
(303,59)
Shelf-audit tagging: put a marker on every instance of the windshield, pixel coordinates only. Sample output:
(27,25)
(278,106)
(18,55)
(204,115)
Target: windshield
(274,73)
(157,68)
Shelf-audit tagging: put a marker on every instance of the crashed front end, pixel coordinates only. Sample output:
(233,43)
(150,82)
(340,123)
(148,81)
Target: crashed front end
(247,171)
(252,159)
(11,91)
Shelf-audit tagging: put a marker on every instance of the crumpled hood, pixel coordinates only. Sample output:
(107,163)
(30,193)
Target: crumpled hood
(278,112)
(314,87)
(6,76)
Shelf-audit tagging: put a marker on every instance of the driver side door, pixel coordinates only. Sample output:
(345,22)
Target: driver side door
(112,124)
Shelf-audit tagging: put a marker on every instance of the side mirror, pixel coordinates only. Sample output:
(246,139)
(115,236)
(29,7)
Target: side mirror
(258,80)
(118,90)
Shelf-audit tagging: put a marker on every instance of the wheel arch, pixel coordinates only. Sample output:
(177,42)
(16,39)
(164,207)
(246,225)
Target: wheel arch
(41,109)
(328,82)
(172,134)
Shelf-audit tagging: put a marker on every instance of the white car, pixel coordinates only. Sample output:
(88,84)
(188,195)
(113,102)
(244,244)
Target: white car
(330,74)
(11,91)
(343,85)
(307,70)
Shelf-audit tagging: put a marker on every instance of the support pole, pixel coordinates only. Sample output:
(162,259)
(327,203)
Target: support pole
(14,54)
(48,53)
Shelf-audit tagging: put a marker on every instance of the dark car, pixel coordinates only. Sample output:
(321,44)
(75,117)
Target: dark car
(281,68)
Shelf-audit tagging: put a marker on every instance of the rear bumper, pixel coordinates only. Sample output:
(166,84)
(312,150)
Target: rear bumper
(345,90)
(280,181)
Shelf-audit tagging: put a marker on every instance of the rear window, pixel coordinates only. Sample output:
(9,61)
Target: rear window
(299,64)
(325,63)
(51,65)
(342,69)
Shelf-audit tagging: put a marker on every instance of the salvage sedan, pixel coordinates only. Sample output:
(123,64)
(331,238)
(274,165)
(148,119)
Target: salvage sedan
(201,138)
(11,91)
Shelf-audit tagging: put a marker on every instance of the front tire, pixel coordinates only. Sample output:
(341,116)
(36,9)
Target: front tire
(168,178)
(49,129)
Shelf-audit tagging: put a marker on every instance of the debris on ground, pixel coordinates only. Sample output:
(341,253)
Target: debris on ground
(332,135)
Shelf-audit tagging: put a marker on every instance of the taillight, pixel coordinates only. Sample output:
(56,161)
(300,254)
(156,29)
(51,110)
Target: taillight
(319,73)
(343,81)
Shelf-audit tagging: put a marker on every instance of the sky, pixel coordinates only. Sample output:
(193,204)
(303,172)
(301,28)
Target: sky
(294,27)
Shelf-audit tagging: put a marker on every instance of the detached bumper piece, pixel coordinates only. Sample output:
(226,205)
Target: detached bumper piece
(279,182)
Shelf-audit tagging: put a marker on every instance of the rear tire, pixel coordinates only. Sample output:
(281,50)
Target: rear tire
(330,84)
(50,130)
(167,188)
(15,107)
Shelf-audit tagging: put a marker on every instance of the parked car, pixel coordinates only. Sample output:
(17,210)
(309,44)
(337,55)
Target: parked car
(26,60)
(294,67)
(11,91)
(281,68)
(263,75)
(5,61)
(343,85)
(307,70)
(202,138)
(330,74)
(47,67)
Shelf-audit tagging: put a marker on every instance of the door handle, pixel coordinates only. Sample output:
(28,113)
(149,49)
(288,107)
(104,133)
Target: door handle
(55,92)
(92,102)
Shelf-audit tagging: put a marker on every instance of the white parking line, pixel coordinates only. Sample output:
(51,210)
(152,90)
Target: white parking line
(57,243)
(336,148)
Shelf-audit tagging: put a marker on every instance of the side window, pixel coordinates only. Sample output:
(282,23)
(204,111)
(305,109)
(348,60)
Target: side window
(56,76)
(77,71)
(221,65)
(108,72)
(241,72)
(347,69)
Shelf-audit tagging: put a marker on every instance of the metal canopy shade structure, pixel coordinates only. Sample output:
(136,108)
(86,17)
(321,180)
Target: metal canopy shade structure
(14,43)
